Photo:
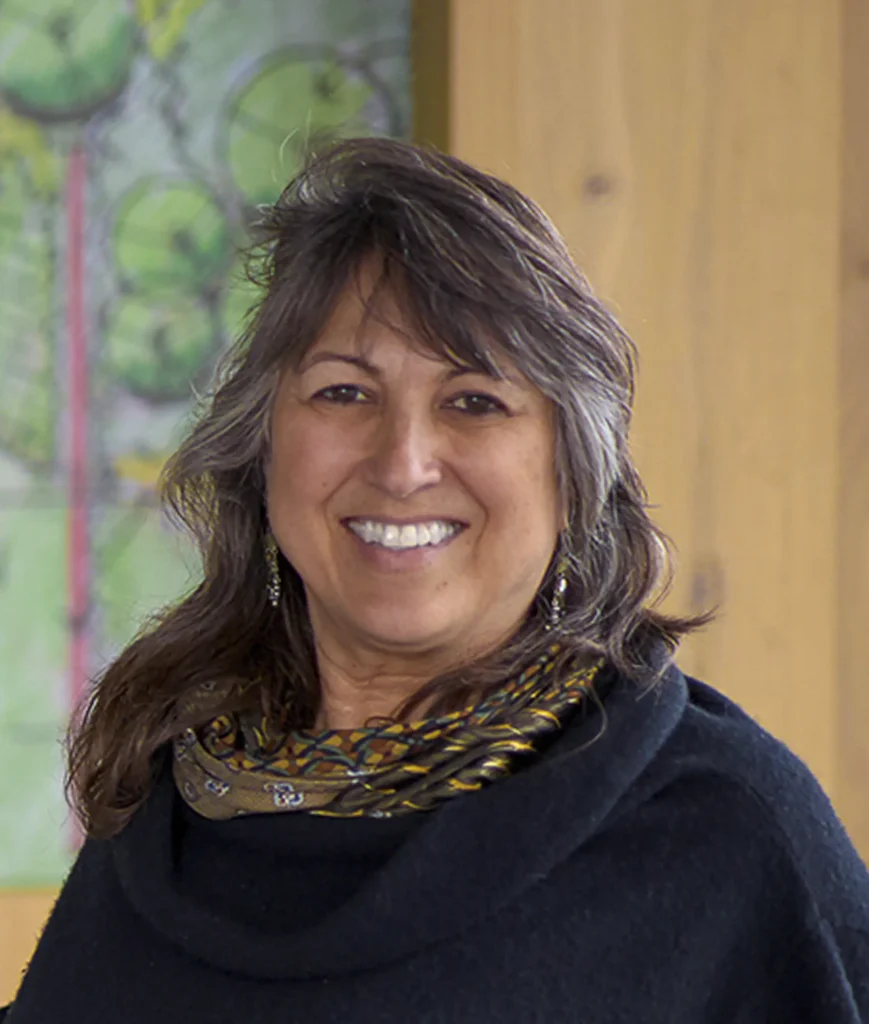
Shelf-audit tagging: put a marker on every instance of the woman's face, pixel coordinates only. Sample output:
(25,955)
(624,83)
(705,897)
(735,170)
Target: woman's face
(418,505)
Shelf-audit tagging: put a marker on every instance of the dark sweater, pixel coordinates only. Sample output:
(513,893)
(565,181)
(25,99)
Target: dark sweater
(683,867)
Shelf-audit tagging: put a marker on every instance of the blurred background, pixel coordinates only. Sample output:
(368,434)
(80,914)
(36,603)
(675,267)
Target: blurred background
(708,164)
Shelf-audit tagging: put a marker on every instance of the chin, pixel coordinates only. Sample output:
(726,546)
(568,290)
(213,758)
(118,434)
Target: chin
(410,633)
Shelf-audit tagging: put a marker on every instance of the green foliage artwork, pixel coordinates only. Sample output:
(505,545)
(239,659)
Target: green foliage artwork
(170,238)
(61,60)
(156,350)
(137,140)
(27,386)
(313,92)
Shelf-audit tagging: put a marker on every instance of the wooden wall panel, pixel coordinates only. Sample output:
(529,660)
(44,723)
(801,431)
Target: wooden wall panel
(22,916)
(853,494)
(689,150)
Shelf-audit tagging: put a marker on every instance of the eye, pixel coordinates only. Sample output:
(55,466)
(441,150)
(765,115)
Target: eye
(342,394)
(477,403)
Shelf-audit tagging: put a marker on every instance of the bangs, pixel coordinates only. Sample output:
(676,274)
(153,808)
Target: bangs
(469,283)
(452,333)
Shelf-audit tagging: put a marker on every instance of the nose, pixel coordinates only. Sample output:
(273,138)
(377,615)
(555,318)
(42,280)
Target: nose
(406,456)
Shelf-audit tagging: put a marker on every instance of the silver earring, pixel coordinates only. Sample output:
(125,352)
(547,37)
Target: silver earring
(556,605)
(273,587)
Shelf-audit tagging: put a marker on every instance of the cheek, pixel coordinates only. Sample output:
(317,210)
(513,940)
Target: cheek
(306,463)
(519,487)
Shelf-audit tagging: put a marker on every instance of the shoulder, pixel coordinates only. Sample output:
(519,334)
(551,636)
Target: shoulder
(743,858)
(756,809)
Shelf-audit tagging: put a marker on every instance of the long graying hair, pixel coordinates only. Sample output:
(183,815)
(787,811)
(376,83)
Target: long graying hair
(480,273)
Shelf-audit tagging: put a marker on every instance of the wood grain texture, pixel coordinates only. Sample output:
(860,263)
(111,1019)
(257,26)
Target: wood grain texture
(853,523)
(22,916)
(689,150)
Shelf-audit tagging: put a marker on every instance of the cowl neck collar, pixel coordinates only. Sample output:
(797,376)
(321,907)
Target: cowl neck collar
(433,874)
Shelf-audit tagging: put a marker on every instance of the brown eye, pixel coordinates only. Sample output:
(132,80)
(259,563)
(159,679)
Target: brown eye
(342,394)
(477,403)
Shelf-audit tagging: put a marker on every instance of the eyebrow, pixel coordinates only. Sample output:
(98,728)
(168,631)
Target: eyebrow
(368,367)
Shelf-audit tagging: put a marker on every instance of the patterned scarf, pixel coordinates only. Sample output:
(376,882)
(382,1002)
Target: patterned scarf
(235,765)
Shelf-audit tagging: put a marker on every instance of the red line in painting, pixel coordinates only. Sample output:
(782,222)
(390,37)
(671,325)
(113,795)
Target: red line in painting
(78,539)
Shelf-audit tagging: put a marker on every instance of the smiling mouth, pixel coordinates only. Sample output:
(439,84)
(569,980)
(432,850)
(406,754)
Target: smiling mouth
(405,536)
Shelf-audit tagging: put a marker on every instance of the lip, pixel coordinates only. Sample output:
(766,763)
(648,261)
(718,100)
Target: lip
(399,560)
(412,521)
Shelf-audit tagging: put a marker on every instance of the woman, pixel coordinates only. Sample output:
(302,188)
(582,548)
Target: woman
(415,748)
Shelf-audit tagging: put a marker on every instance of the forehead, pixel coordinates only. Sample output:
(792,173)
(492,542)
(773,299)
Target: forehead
(375,312)
(366,309)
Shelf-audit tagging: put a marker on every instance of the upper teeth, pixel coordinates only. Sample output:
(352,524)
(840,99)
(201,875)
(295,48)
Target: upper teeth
(409,536)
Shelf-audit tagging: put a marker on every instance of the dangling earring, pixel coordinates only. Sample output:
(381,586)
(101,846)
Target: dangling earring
(273,587)
(559,587)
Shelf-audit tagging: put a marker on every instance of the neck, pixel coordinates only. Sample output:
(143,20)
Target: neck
(351,693)
(360,681)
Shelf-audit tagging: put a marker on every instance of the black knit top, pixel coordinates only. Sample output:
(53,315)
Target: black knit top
(679,867)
